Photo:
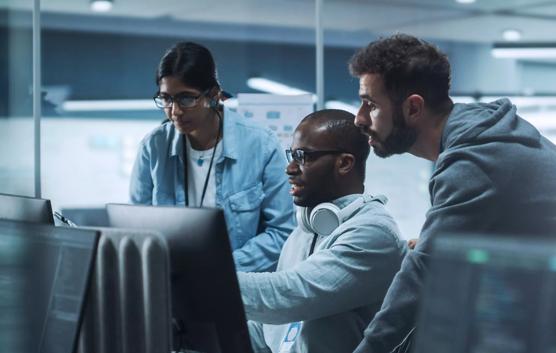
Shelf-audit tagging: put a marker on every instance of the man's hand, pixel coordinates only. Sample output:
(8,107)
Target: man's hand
(411,243)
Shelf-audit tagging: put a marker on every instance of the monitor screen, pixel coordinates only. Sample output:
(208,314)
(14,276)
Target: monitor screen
(206,302)
(26,209)
(44,274)
(489,294)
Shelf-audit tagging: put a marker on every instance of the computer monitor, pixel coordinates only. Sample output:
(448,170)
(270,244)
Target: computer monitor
(489,294)
(27,209)
(44,275)
(206,302)
(86,217)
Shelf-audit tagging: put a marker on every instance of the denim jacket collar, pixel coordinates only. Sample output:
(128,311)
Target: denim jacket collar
(228,143)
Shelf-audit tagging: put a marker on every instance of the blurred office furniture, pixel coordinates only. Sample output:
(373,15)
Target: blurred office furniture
(490,294)
(128,307)
(207,309)
(44,275)
(27,209)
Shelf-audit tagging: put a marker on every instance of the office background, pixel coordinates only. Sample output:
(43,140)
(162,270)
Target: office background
(97,77)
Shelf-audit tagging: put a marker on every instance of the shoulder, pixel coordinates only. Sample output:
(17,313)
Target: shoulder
(162,134)
(251,134)
(374,213)
(463,174)
(371,224)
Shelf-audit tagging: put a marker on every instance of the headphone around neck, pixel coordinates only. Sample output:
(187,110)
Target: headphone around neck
(324,218)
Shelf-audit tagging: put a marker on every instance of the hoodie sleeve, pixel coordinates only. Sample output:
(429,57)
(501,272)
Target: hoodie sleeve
(458,190)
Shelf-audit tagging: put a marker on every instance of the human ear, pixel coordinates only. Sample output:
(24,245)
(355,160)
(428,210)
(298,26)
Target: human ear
(413,109)
(345,163)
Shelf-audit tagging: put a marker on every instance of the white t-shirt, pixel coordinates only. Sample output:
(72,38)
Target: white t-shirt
(197,168)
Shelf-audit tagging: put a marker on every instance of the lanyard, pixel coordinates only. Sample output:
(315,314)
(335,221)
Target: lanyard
(313,243)
(185,179)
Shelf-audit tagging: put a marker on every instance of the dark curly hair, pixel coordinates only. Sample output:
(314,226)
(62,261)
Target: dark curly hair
(407,65)
(346,136)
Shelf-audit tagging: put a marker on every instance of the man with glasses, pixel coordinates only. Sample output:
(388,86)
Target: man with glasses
(335,267)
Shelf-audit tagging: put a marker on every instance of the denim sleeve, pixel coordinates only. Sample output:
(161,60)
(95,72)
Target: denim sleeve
(353,272)
(261,252)
(454,209)
(141,183)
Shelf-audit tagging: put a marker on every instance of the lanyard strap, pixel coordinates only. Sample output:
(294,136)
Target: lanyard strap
(185,178)
(313,243)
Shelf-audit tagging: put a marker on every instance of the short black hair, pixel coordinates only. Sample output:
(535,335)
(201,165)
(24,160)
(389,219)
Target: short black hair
(346,136)
(407,65)
(191,63)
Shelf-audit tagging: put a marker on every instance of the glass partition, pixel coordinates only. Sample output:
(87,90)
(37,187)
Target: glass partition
(98,67)
(16,98)
(99,73)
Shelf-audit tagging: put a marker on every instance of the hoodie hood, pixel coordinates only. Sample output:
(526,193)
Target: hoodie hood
(479,123)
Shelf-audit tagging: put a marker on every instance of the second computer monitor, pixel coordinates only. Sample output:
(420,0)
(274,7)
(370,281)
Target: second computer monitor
(206,301)
(489,293)
(26,209)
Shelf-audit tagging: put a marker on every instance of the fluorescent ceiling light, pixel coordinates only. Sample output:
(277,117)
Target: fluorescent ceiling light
(334,104)
(511,35)
(109,105)
(270,86)
(466,2)
(101,5)
(524,50)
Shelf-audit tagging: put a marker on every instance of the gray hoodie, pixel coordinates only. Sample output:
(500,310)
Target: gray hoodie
(495,174)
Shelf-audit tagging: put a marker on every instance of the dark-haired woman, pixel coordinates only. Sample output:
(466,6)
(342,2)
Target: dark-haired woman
(208,156)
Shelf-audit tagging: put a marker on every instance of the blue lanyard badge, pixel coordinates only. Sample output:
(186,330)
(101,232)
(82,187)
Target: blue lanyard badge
(289,339)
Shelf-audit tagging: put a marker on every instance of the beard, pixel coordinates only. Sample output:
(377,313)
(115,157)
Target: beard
(400,139)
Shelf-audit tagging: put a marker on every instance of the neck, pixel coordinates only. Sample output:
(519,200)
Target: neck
(429,137)
(206,136)
(350,189)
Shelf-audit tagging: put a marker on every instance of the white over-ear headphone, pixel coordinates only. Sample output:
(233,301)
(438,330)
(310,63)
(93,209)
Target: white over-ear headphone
(324,218)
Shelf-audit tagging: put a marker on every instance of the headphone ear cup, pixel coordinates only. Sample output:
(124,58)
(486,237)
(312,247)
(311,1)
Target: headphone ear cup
(302,216)
(325,218)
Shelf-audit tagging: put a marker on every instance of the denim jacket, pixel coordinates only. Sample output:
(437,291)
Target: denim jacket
(251,186)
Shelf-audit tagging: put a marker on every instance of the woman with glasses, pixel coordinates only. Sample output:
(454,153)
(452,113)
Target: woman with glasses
(205,155)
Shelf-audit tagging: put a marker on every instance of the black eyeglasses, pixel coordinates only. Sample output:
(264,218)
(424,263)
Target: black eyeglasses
(184,100)
(300,156)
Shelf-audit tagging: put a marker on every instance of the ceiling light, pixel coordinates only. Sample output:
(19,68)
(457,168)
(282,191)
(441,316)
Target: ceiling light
(511,35)
(524,50)
(101,5)
(465,1)
(270,86)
